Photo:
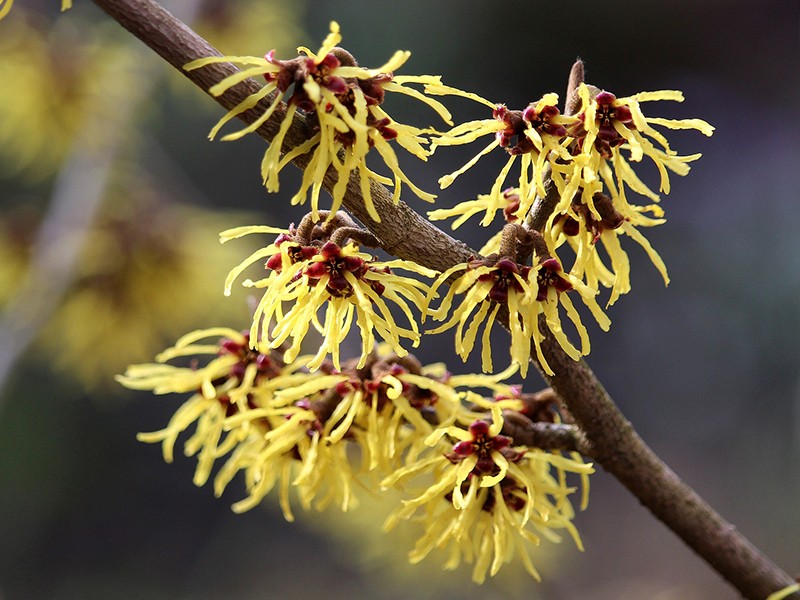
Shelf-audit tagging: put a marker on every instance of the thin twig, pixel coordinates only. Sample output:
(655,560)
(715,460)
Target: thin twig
(407,235)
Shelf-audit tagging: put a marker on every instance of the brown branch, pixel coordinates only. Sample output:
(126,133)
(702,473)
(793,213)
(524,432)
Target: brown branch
(404,233)
(621,452)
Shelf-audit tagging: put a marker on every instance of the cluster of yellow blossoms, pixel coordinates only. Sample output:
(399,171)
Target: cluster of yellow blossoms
(311,268)
(585,157)
(285,426)
(284,419)
(342,103)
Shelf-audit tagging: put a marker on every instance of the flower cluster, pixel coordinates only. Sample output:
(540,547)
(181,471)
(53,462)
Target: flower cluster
(342,106)
(237,412)
(578,153)
(311,268)
(283,427)
(526,293)
(285,420)
(535,136)
(587,158)
(488,497)
(582,165)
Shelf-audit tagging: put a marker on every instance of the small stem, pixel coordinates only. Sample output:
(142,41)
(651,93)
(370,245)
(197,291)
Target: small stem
(508,242)
(362,237)
(305,229)
(325,407)
(543,207)
(409,361)
(547,436)
(345,58)
(324,225)
(538,246)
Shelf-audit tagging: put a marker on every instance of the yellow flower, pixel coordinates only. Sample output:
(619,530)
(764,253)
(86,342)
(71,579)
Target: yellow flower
(605,126)
(527,292)
(350,285)
(54,83)
(537,135)
(291,453)
(509,203)
(342,105)
(487,498)
(582,231)
(222,388)
(487,287)
(389,406)
(237,411)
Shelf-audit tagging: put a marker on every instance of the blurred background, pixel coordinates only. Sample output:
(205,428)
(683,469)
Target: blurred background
(111,198)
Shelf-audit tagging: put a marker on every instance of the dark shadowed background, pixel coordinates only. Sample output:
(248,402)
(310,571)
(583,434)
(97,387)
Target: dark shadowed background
(707,369)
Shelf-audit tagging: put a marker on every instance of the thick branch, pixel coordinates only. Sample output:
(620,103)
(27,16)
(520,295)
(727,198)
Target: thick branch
(407,235)
(621,452)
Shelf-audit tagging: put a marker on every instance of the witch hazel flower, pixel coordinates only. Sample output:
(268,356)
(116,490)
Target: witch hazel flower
(241,419)
(290,454)
(342,105)
(386,407)
(222,388)
(487,285)
(536,135)
(488,498)
(582,230)
(509,203)
(607,125)
(310,270)
(525,292)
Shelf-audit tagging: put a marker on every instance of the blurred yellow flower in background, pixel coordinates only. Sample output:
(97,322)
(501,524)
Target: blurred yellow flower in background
(16,233)
(50,81)
(144,256)
(137,266)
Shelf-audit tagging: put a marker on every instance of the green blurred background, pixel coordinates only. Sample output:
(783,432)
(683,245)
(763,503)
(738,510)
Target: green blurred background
(97,135)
